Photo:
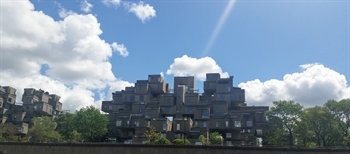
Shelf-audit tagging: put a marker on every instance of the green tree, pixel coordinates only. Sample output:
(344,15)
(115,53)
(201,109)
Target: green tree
(8,131)
(215,138)
(151,134)
(162,140)
(289,112)
(43,130)
(204,140)
(66,127)
(179,141)
(341,111)
(324,126)
(90,123)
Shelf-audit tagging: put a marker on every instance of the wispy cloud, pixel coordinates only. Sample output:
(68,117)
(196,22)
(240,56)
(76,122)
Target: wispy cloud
(120,48)
(85,6)
(142,10)
(111,3)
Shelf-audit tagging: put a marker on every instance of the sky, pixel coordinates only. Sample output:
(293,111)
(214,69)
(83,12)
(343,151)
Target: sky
(83,50)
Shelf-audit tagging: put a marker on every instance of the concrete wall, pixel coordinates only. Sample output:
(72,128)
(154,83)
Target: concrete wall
(91,148)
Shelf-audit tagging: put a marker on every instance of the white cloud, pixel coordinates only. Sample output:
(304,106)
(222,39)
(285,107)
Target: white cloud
(142,11)
(62,12)
(76,57)
(111,3)
(314,85)
(185,66)
(85,6)
(120,48)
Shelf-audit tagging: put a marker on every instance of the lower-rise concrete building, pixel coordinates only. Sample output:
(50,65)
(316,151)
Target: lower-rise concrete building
(35,103)
(183,112)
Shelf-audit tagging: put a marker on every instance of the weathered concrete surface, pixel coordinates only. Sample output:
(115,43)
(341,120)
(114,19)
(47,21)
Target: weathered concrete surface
(51,148)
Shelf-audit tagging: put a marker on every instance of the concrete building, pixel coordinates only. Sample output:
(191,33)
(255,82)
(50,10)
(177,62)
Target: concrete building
(221,108)
(35,103)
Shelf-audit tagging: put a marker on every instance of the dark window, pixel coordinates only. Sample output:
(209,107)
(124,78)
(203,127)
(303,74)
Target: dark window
(189,110)
(126,98)
(132,98)
(148,115)
(205,114)
(141,109)
(217,109)
(188,101)
(222,97)
(142,98)
(168,100)
(232,97)
(167,110)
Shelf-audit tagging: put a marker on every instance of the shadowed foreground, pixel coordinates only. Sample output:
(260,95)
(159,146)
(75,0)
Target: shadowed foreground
(97,148)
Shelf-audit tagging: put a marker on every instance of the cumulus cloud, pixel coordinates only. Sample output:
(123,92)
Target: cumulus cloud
(314,85)
(85,6)
(142,11)
(76,59)
(120,48)
(188,66)
(111,3)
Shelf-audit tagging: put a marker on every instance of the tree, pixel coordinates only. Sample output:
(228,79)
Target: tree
(66,127)
(341,111)
(43,130)
(289,112)
(90,123)
(215,138)
(151,134)
(162,140)
(8,132)
(324,126)
(179,141)
(204,140)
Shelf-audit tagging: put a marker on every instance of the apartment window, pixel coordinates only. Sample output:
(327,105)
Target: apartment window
(178,136)
(228,89)
(142,98)
(222,97)
(237,123)
(118,123)
(137,123)
(127,123)
(163,135)
(249,123)
(217,109)
(232,97)
(148,115)
(243,142)
(205,114)
(125,98)
(10,99)
(158,79)
(228,135)
(149,79)
(188,101)
(167,110)
(132,98)
(226,123)
(168,100)
(164,126)
(248,130)
(229,143)
(196,123)
(189,110)
(20,129)
(177,126)
(141,109)
(110,107)
(204,124)
(240,96)
(218,124)
(148,123)
(259,132)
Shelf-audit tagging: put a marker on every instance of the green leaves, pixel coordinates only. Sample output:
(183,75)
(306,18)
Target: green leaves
(43,130)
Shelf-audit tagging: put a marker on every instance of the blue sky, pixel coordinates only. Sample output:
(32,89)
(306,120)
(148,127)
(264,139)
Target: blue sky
(264,40)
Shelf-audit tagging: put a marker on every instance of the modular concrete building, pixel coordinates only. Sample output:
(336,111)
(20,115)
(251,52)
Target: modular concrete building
(35,103)
(221,108)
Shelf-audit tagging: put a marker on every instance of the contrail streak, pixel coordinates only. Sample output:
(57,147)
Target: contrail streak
(218,27)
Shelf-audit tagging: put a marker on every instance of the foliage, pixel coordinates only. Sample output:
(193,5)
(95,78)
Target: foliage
(43,130)
(151,134)
(179,141)
(289,113)
(162,140)
(90,123)
(8,132)
(204,140)
(66,127)
(341,112)
(215,138)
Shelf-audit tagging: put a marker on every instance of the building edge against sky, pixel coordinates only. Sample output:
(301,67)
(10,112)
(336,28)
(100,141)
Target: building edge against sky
(220,108)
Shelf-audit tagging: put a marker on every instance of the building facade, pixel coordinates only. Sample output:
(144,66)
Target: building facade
(35,103)
(183,112)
